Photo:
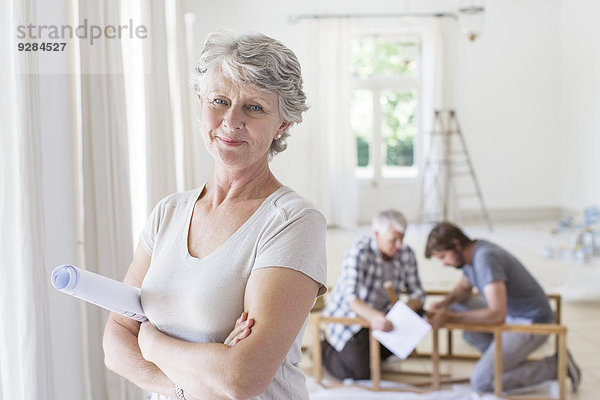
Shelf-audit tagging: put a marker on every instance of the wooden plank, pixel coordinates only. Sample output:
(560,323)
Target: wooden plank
(498,363)
(389,288)
(375,360)
(344,321)
(316,352)
(435,360)
(562,365)
(536,329)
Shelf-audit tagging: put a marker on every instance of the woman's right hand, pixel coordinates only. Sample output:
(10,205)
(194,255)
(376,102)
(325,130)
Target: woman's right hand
(241,330)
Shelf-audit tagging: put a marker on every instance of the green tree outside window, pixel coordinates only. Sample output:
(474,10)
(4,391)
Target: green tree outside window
(385,59)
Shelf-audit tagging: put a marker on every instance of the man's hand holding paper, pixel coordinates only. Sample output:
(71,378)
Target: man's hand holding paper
(409,330)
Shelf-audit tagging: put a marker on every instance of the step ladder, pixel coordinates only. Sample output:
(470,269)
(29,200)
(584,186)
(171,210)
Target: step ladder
(447,172)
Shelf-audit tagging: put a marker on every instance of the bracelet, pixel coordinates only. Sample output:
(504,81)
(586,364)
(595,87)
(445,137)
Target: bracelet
(179,392)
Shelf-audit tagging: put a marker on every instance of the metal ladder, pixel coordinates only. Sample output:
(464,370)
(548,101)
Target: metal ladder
(442,169)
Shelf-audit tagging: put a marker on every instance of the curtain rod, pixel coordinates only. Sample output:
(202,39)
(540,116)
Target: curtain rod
(297,17)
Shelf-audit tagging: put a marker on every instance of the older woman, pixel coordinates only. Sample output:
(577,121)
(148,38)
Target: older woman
(242,242)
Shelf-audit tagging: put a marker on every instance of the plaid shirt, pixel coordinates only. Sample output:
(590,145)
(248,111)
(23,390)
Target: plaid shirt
(363,273)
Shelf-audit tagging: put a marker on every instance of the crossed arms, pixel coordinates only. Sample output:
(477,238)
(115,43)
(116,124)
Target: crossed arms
(278,299)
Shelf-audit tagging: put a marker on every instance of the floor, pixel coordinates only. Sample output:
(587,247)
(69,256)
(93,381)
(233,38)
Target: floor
(546,255)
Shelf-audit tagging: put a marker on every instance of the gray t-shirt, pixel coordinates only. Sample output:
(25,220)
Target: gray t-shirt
(526,298)
(199,299)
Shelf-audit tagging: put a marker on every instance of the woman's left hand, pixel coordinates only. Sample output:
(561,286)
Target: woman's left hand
(241,330)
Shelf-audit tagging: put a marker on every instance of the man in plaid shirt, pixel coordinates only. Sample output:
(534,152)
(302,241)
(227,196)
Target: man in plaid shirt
(375,259)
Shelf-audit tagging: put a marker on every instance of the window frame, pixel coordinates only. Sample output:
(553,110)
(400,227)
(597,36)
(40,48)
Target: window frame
(376,85)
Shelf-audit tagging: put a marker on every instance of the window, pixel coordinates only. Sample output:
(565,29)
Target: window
(385,104)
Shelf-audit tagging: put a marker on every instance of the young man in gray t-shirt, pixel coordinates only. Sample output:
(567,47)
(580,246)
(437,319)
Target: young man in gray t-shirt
(507,292)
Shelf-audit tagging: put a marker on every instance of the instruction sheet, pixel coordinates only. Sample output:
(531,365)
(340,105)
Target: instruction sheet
(409,330)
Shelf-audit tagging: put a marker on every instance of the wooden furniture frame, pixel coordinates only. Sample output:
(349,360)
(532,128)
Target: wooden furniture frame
(451,355)
(317,320)
(537,329)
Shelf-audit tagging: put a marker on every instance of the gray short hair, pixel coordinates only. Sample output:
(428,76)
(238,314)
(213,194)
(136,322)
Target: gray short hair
(389,218)
(261,61)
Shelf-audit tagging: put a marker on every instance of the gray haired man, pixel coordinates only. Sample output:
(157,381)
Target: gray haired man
(375,259)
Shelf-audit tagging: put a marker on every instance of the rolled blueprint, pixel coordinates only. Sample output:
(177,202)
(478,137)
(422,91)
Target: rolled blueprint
(100,290)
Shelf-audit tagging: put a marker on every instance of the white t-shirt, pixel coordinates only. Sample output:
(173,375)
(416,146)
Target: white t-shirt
(199,299)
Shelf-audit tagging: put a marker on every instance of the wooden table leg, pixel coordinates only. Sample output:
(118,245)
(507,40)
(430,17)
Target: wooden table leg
(375,360)
(316,353)
(562,364)
(435,360)
(449,343)
(498,363)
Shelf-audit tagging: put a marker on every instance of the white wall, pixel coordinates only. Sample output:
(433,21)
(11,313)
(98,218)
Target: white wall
(506,94)
(579,134)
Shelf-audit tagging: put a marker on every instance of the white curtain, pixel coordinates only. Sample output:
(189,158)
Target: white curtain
(165,151)
(173,149)
(160,138)
(25,354)
(106,196)
(190,154)
(334,148)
